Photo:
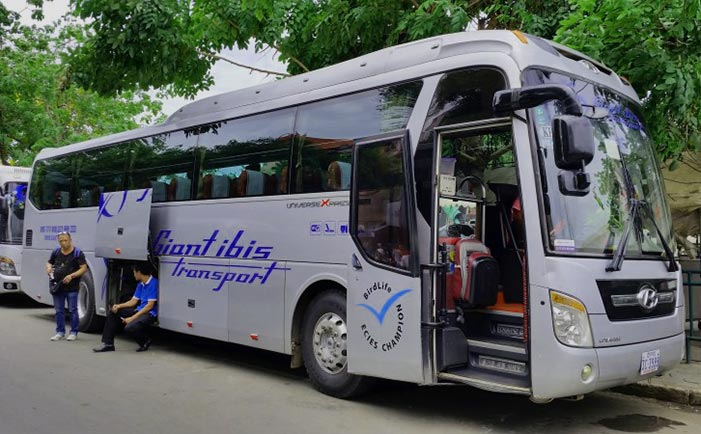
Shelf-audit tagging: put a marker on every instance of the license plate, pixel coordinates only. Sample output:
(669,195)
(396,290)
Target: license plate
(650,362)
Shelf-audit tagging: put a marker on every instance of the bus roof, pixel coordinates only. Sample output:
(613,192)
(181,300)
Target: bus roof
(15,174)
(526,50)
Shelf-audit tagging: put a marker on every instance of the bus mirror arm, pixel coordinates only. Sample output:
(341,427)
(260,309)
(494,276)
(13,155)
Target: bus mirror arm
(510,100)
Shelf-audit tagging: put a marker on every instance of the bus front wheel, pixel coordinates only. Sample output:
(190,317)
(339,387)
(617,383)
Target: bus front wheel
(324,347)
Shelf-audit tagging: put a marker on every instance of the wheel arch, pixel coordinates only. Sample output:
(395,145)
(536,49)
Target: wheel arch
(311,290)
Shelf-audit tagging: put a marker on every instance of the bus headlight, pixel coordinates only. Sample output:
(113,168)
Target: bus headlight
(570,321)
(7,266)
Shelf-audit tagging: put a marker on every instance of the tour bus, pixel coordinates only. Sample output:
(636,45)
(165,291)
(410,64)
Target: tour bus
(13,192)
(480,208)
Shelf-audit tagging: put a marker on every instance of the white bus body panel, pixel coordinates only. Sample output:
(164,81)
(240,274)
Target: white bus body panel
(9,283)
(123,225)
(384,323)
(233,283)
(618,345)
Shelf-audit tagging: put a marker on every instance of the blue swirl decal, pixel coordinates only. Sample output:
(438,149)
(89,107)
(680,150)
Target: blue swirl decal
(102,208)
(386,306)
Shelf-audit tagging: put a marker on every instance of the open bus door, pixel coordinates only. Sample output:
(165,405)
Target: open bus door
(482,341)
(122,237)
(384,296)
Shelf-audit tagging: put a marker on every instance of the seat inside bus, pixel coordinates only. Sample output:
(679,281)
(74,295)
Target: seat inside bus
(159,191)
(215,186)
(505,238)
(339,174)
(179,188)
(256,183)
(475,280)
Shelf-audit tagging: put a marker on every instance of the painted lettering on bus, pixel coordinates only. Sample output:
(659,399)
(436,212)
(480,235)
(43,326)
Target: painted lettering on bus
(222,247)
(249,275)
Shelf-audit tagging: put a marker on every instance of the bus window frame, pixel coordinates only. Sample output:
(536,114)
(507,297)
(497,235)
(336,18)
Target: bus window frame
(404,138)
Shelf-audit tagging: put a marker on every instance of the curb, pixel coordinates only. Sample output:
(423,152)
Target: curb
(662,393)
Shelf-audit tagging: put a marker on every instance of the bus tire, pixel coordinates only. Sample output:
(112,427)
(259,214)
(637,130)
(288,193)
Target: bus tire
(89,320)
(324,338)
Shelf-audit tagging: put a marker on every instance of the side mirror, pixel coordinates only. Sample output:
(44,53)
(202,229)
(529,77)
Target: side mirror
(573,138)
(573,142)
(510,100)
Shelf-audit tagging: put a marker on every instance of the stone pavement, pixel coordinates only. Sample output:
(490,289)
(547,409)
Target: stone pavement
(682,384)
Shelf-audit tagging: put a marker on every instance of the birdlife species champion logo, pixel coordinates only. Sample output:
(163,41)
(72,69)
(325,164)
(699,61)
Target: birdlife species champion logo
(385,307)
(384,337)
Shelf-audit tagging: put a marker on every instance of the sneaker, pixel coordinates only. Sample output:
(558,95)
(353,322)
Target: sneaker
(72,337)
(144,347)
(57,337)
(103,348)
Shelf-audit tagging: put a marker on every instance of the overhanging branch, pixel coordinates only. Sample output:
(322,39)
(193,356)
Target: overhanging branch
(241,65)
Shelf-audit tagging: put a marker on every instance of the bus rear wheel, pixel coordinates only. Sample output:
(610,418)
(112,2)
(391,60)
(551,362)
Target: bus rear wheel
(324,347)
(88,318)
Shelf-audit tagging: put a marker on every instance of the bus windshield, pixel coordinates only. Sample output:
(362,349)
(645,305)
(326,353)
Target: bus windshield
(12,212)
(594,224)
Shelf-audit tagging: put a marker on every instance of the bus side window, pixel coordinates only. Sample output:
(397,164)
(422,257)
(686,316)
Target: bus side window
(248,151)
(311,179)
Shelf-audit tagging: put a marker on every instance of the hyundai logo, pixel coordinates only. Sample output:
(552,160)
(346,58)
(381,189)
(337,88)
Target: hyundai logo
(648,297)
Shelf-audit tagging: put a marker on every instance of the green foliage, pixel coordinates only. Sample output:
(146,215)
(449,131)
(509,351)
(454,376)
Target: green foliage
(170,44)
(657,46)
(38,105)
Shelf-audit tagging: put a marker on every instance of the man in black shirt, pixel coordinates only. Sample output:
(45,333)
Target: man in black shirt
(64,268)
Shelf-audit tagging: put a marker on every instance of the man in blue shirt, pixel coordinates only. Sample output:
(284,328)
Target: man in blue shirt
(136,314)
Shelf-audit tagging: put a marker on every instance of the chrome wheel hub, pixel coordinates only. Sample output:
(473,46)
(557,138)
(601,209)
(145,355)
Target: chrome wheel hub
(329,340)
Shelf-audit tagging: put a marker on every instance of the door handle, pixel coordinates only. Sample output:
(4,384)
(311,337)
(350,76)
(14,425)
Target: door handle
(355,262)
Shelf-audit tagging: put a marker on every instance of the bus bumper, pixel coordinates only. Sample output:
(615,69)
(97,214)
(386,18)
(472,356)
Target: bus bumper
(9,284)
(611,367)
(622,365)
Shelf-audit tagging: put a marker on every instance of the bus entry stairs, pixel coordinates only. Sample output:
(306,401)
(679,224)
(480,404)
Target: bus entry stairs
(497,356)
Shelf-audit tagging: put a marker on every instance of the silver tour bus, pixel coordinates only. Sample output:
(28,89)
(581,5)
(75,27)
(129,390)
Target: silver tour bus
(481,208)
(13,193)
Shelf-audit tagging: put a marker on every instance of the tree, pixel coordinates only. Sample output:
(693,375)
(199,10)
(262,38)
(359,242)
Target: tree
(173,43)
(657,46)
(39,106)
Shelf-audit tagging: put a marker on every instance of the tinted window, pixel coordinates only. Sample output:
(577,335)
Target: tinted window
(247,156)
(164,163)
(99,171)
(382,224)
(461,96)
(325,132)
(52,183)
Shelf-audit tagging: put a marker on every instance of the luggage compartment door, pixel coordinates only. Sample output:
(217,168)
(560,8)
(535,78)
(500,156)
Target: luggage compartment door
(123,225)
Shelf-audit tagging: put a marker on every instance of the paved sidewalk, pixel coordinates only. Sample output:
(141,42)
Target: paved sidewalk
(681,385)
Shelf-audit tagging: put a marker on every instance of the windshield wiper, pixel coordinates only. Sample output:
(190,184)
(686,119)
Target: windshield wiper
(617,260)
(635,207)
(672,266)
